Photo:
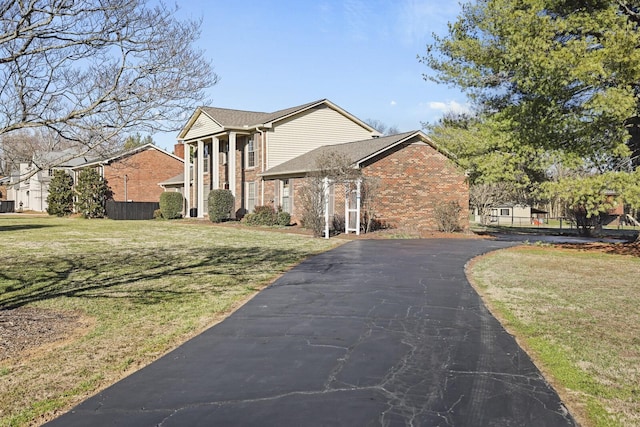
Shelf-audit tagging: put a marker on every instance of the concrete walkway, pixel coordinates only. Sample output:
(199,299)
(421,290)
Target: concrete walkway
(376,332)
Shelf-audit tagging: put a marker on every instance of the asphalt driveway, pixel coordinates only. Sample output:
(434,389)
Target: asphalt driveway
(375,332)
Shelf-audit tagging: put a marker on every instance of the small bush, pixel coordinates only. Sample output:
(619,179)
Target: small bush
(337,223)
(157,214)
(221,204)
(447,216)
(262,215)
(284,218)
(171,205)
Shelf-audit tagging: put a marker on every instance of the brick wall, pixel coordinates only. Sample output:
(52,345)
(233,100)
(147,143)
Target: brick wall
(414,179)
(143,171)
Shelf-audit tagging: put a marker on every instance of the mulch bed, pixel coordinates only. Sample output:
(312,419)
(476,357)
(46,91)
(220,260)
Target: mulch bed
(26,328)
(632,249)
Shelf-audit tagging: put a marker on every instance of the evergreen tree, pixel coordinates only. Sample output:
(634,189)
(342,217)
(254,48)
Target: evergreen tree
(92,192)
(60,198)
(136,140)
(557,75)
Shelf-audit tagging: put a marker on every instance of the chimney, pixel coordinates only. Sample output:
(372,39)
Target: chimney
(178,150)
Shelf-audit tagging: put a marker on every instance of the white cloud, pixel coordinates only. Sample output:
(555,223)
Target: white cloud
(393,103)
(451,106)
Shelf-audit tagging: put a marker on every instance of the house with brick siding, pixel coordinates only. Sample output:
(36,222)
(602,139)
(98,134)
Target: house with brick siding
(134,175)
(413,176)
(263,159)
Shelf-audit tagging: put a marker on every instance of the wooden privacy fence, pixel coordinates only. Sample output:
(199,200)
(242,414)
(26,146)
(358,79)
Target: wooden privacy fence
(131,210)
(7,206)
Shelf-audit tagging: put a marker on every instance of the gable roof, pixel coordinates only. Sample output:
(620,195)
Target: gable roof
(242,119)
(357,151)
(62,159)
(126,153)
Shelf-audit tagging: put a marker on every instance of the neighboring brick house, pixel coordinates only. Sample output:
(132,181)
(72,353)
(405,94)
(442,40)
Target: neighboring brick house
(134,175)
(263,158)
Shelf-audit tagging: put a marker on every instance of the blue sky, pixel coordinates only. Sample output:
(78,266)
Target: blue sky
(360,54)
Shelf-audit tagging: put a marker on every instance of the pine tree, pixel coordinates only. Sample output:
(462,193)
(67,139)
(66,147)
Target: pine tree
(92,192)
(60,198)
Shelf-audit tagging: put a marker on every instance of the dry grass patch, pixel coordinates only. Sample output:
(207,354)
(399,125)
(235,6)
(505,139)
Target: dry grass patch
(102,298)
(577,311)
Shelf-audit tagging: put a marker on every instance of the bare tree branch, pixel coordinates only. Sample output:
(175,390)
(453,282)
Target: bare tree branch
(90,71)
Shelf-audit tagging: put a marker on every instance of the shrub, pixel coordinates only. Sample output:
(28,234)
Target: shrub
(337,223)
(262,215)
(60,198)
(157,214)
(92,192)
(283,218)
(221,204)
(447,216)
(171,204)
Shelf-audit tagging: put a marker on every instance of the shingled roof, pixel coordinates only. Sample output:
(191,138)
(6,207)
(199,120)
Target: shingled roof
(357,152)
(240,118)
(231,119)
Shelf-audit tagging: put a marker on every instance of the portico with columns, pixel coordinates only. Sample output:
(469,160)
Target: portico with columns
(221,161)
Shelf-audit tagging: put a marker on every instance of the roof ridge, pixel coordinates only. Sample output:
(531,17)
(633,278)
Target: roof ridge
(236,109)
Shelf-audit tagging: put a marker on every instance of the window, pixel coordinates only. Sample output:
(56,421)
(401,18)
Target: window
(504,212)
(251,196)
(207,157)
(224,148)
(332,200)
(286,195)
(251,154)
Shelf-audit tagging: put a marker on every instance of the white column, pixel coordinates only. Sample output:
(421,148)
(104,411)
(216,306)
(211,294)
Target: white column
(347,199)
(215,168)
(358,190)
(187,179)
(200,191)
(325,189)
(232,162)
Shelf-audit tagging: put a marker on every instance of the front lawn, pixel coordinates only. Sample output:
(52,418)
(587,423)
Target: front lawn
(577,313)
(84,303)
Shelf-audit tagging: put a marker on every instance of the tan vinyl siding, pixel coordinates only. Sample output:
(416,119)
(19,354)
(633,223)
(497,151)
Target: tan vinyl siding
(310,130)
(203,126)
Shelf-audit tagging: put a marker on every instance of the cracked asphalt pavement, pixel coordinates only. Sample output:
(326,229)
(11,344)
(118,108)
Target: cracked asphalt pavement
(375,332)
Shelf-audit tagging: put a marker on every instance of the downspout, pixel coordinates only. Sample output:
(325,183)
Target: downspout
(263,151)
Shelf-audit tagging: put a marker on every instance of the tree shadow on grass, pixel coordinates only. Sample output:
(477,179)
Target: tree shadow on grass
(20,227)
(148,276)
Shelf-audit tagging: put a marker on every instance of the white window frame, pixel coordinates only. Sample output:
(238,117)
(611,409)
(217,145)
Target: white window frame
(248,202)
(206,158)
(286,184)
(224,151)
(251,153)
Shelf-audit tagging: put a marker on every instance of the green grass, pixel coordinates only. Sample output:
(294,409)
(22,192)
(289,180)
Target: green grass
(578,315)
(139,287)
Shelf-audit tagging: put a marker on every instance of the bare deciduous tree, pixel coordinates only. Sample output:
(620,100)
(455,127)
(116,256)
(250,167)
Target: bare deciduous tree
(338,169)
(335,167)
(369,200)
(88,71)
(485,196)
(381,127)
